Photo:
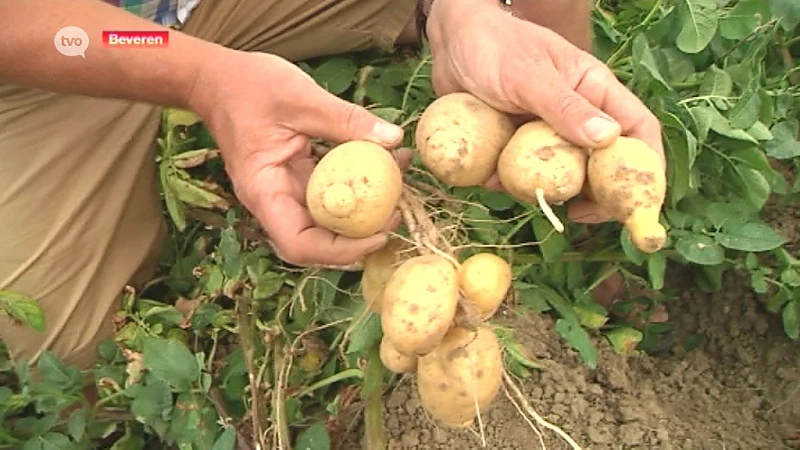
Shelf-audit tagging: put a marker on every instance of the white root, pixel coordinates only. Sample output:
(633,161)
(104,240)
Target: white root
(548,211)
(532,412)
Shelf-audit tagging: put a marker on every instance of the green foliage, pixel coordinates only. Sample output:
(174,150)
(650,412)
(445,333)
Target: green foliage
(720,76)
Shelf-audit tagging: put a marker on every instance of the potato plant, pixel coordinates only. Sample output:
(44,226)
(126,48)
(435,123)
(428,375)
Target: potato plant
(228,346)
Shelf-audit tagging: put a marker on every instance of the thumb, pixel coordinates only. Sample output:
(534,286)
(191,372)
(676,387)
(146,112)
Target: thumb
(326,116)
(569,113)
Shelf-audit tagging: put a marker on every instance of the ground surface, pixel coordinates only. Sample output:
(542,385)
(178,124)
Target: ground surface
(740,389)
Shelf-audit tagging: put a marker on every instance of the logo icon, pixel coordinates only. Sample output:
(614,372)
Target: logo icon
(72,41)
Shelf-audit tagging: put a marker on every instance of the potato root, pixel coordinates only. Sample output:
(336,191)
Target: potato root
(459,138)
(355,188)
(539,166)
(379,267)
(395,361)
(484,279)
(419,303)
(461,377)
(628,182)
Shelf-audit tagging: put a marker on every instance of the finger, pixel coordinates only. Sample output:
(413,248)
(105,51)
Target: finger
(601,88)
(403,156)
(321,114)
(298,241)
(585,211)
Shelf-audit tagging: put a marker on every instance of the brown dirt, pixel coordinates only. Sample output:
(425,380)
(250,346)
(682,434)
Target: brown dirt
(739,389)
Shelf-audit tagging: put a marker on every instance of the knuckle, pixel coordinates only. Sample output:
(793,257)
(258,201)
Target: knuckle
(568,104)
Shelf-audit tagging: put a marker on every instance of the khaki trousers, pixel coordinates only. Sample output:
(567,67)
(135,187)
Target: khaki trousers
(80,214)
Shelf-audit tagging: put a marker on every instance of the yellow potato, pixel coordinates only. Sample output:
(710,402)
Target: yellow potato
(354,189)
(459,138)
(379,266)
(464,370)
(394,360)
(537,157)
(484,279)
(628,182)
(419,303)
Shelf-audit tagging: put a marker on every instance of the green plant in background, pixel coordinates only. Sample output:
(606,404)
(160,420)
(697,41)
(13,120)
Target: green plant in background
(228,343)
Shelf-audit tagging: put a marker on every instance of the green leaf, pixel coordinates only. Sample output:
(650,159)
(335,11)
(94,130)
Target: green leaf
(314,437)
(573,333)
(785,145)
(657,269)
(23,308)
(745,112)
(226,440)
(791,319)
(152,400)
(76,426)
(170,361)
(551,243)
(699,21)
(788,11)
(749,237)
(635,255)
(56,373)
(176,210)
(529,295)
(366,335)
(179,117)
(700,249)
(388,114)
(336,74)
(743,19)
(642,54)
(722,213)
(716,82)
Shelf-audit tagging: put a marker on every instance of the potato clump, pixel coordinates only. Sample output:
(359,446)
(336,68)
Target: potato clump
(379,267)
(355,188)
(628,182)
(419,303)
(484,279)
(394,360)
(459,138)
(465,370)
(537,165)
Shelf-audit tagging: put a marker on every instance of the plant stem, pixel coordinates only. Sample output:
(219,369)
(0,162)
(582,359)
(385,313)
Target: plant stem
(528,258)
(247,338)
(371,392)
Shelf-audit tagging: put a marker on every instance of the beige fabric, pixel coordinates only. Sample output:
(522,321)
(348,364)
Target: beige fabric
(80,215)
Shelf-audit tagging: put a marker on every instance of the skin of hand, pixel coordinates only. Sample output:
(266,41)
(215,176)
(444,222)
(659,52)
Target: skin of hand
(263,112)
(476,47)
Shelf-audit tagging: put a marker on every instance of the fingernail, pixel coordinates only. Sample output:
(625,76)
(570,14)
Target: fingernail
(387,133)
(600,129)
(379,244)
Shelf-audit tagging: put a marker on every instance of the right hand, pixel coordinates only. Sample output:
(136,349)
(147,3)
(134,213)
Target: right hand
(263,110)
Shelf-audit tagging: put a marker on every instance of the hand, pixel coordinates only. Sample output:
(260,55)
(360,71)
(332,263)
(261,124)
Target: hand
(262,111)
(525,69)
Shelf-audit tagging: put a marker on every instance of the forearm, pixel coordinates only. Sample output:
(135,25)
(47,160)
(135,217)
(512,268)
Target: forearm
(28,56)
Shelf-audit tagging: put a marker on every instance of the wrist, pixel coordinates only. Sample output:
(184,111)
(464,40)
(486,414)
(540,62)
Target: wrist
(435,15)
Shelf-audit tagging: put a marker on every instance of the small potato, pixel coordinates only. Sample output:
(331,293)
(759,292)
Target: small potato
(354,189)
(459,138)
(394,360)
(466,368)
(419,303)
(537,157)
(484,279)
(378,267)
(628,182)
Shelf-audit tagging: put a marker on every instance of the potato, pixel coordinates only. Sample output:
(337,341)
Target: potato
(395,361)
(537,157)
(379,266)
(484,279)
(419,303)
(354,189)
(465,368)
(628,182)
(459,138)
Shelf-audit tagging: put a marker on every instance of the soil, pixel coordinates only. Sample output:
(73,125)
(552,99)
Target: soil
(739,389)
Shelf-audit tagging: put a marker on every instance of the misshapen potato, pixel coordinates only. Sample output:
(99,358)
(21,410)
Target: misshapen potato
(627,181)
(354,189)
(379,267)
(484,279)
(459,138)
(394,360)
(464,370)
(419,303)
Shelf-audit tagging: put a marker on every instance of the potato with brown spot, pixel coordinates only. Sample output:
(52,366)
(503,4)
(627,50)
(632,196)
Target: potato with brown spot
(379,266)
(355,189)
(395,361)
(628,182)
(464,370)
(539,166)
(459,138)
(484,279)
(419,303)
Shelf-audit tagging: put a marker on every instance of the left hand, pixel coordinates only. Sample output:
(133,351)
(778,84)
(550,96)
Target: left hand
(528,70)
